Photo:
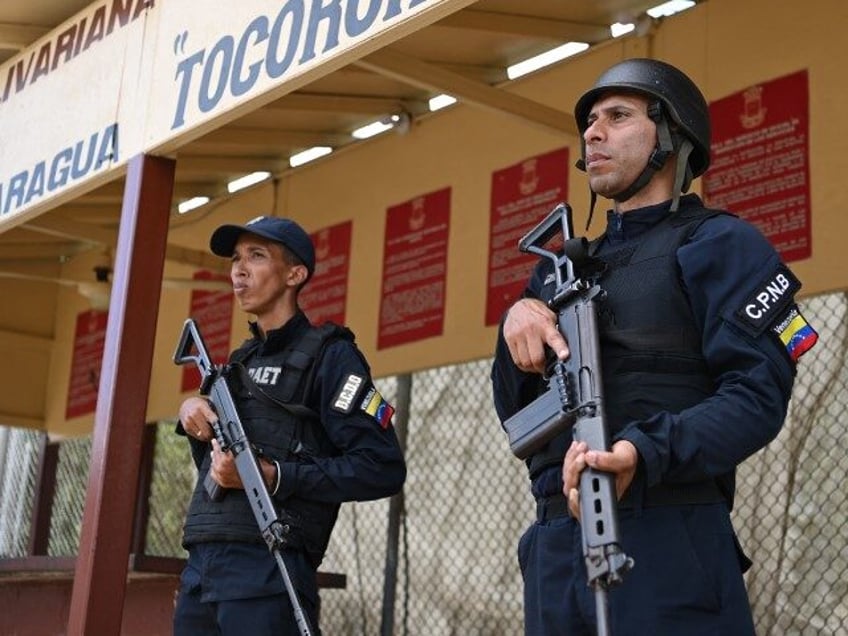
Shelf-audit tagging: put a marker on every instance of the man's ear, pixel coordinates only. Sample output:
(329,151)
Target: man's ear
(297,275)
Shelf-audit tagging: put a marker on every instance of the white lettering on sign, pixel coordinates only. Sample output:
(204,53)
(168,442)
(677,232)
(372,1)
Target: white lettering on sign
(269,46)
(767,297)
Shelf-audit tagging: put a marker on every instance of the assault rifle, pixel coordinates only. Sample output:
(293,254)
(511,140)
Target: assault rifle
(574,400)
(231,437)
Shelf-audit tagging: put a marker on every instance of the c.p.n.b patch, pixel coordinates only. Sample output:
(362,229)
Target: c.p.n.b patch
(768,303)
(374,405)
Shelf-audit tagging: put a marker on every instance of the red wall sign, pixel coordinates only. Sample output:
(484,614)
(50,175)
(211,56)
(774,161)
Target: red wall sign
(412,305)
(325,296)
(760,161)
(213,313)
(522,195)
(89,339)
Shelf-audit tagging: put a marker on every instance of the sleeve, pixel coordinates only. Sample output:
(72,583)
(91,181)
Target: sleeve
(198,449)
(512,389)
(369,463)
(742,297)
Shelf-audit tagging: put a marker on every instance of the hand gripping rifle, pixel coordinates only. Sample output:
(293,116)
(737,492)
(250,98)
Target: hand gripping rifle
(574,400)
(231,436)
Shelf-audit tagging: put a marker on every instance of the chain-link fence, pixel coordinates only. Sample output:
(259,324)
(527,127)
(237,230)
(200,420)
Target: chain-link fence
(447,547)
(792,508)
(19,450)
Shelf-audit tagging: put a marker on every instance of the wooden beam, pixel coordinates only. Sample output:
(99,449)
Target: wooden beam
(100,576)
(45,489)
(113,190)
(142,499)
(413,71)
(88,234)
(103,216)
(111,194)
(527,26)
(329,103)
(41,252)
(186,188)
(491,75)
(228,166)
(54,225)
(269,137)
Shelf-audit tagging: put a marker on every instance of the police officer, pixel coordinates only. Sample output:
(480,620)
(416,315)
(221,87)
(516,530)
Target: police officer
(322,431)
(699,338)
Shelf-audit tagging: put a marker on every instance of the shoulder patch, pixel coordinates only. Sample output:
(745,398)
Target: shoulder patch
(347,394)
(795,333)
(769,302)
(374,405)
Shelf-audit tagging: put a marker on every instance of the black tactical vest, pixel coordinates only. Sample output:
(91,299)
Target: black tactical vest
(650,342)
(279,428)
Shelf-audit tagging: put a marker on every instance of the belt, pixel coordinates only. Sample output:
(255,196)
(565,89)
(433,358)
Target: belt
(694,493)
(704,492)
(551,507)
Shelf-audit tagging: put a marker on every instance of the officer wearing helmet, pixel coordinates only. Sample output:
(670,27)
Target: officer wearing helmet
(700,335)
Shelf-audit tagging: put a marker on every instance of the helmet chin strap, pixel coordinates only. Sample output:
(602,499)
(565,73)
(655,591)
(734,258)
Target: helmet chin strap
(662,151)
(682,173)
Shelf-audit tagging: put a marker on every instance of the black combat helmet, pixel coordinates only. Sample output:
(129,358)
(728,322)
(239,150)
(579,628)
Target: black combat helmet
(678,100)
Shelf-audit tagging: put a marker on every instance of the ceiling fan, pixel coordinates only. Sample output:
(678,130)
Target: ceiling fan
(97,291)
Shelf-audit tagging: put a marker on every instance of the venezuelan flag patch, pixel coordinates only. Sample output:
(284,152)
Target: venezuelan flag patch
(796,334)
(375,406)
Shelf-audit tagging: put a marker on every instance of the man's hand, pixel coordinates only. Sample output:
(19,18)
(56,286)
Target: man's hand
(224,471)
(529,326)
(195,415)
(621,460)
(223,468)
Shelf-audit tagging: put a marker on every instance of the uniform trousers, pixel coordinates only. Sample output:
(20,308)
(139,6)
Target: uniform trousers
(687,577)
(231,589)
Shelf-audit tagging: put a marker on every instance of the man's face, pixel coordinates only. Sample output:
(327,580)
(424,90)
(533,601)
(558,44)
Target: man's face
(260,274)
(619,139)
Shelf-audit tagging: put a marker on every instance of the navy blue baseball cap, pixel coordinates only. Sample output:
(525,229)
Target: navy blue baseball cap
(283,231)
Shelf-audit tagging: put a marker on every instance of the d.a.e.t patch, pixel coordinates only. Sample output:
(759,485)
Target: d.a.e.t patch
(348,393)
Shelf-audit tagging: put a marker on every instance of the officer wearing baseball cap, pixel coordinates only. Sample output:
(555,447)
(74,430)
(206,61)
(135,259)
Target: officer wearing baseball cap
(322,432)
(697,374)
(283,231)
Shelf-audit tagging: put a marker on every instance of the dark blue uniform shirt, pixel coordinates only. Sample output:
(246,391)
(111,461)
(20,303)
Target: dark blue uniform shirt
(367,463)
(720,268)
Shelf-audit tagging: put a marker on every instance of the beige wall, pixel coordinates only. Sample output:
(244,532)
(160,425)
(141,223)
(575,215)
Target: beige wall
(725,45)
